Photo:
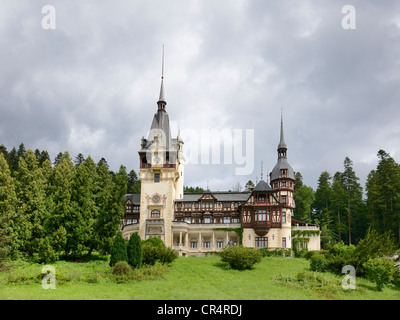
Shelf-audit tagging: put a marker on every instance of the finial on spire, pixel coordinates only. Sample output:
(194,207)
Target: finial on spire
(161,101)
(282,143)
(162,68)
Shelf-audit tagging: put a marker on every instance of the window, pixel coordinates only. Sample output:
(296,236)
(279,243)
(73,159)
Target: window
(261,198)
(193,244)
(261,242)
(262,215)
(227,219)
(188,220)
(206,244)
(283,199)
(207,220)
(284,184)
(188,205)
(156,177)
(283,217)
(220,244)
(283,242)
(155,213)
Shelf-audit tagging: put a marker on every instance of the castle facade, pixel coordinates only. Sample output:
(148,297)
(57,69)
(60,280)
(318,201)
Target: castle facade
(195,224)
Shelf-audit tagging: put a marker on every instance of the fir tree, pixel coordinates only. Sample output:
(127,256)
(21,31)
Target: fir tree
(134,251)
(118,250)
(8,202)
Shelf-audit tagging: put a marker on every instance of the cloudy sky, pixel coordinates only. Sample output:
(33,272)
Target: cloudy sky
(91,84)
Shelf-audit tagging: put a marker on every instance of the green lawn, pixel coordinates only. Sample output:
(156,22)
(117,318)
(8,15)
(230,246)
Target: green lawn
(186,279)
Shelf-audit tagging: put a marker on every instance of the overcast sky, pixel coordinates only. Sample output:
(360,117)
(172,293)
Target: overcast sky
(91,85)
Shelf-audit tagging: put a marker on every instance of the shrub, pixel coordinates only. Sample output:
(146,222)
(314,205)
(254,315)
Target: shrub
(380,270)
(154,251)
(155,241)
(118,250)
(122,268)
(318,263)
(150,253)
(134,251)
(240,258)
(167,255)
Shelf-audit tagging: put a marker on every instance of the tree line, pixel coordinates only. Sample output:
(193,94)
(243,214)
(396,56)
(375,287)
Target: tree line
(344,210)
(68,208)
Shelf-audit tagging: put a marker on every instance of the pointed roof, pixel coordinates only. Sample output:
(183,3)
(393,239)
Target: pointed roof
(262,186)
(161,101)
(282,143)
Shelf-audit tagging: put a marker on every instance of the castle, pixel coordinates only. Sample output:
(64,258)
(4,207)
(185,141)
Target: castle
(194,224)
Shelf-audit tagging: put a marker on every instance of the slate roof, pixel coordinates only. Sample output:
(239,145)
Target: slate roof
(219,195)
(262,186)
(135,198)
(282,164)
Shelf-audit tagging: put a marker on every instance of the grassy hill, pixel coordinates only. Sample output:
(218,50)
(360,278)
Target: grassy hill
(188,278)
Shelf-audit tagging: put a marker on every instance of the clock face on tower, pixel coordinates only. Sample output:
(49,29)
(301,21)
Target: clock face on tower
(156,199)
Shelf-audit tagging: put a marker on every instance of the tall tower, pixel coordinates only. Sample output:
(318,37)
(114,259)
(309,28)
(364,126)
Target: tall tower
(161,174)
(282,182)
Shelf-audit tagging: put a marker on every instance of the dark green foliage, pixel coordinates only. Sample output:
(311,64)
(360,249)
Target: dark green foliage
(118,250)
(122,268)
(155,241)
(374,245)
(167,255)
(134,183)
(318,263)
(265,252)
(69,210)
(187,189)
(240,258)
(380,270)
(134,251)
(155,250)
(304,197)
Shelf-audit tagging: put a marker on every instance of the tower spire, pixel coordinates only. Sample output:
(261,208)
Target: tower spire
(161,101)
(282,148)
(262,177)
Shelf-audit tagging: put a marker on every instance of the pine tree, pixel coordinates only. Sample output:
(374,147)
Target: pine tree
(84,210)
(8,202)
(322,199)
(79,159)
(303,196)
(13,160)
(134,251)
(110,200)
(353,194)
(63,213)
(383,195)
(133,183)
(118,250)
(338,203)
(31,213)
(21,150)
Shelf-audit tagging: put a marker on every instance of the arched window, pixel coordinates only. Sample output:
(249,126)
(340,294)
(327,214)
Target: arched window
(155,213)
